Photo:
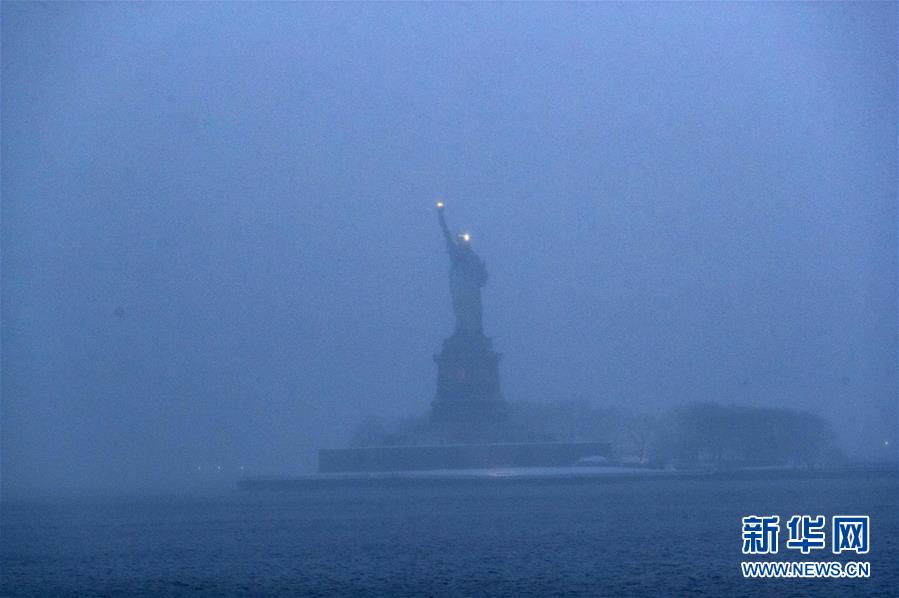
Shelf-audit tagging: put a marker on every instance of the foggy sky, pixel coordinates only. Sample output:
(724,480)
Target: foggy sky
(219,244)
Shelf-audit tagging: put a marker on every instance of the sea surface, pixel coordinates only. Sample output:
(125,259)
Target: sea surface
(661,537)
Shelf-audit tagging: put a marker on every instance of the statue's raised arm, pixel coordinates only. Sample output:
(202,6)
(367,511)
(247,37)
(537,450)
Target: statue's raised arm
(450,243)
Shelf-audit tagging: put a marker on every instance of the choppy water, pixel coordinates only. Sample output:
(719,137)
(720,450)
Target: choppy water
(661,537)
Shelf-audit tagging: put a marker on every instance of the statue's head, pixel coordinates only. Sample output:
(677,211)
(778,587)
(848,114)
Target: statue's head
(464,239)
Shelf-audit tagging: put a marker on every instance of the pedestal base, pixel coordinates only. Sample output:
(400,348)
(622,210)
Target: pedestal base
(468,388)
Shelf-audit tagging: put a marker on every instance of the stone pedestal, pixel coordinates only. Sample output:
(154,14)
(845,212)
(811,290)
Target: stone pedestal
(468,388)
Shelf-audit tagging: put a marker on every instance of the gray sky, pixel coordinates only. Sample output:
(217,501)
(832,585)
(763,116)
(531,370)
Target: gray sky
(219,244)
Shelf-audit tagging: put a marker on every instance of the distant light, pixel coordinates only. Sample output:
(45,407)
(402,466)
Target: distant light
(466,237)
(886,443)
(439,205)
(219,467)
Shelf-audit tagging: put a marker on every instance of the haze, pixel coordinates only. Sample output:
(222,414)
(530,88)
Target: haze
(219,245)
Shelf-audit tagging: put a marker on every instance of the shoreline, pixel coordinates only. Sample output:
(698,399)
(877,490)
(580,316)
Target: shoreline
(547,475)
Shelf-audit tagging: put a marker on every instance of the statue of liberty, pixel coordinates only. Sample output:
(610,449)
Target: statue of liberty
(467,275)
(468,389)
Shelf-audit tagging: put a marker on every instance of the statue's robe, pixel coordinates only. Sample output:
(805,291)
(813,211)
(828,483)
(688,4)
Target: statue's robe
(467,275)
